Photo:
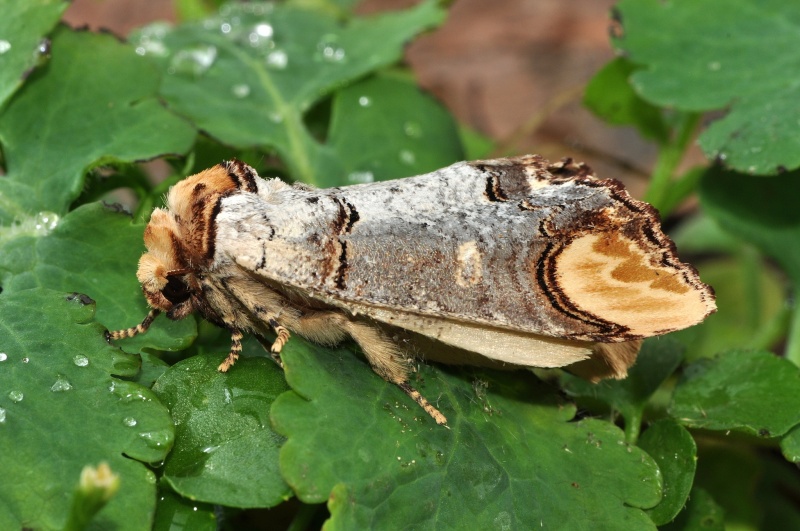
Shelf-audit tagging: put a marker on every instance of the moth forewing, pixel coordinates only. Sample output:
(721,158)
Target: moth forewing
(519,260)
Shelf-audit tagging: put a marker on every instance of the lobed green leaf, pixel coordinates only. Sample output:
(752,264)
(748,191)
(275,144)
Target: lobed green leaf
(61,409)
(721,54)
(510,456)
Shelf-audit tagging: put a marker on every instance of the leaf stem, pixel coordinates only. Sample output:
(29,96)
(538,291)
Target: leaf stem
(668,159)
(793,341)
(303,517)
(633,426)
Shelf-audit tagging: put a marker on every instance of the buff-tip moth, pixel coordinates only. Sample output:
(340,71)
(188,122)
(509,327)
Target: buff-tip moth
(519,260)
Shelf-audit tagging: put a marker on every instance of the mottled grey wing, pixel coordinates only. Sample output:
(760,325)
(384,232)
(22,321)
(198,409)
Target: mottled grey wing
(504,243)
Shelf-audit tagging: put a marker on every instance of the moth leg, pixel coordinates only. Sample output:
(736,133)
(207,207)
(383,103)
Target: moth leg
(383,355)
(283,336)
(270,347)
(141,328)
(236,349)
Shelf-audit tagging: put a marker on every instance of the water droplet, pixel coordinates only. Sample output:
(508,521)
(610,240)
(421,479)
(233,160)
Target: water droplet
(277,59)
(241,90)
(16,396)
(714,66)
(228,396)
(412,129)
(329,50)
(360,177)
(3,356)
(193,61)
(157,439)
(264,30)
(26,360)
(43,49)
(151,40)
(364,101)
(129,421)
(80,361)
(407,156)
(210,449)
(44,222)
(4,46)
(2,415)
(60,385)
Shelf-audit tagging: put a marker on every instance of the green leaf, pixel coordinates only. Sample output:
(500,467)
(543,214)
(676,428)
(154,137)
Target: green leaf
(732,475)
(23,28)
(675,452)
(174,513)
(60,409)
(717,54)
(657,360)
(225,452)
(248,76)
(510,457)
(701,514)
(100,108)
(790,445)
(752,392)
(751,304)
(58,254)
(610,96)
(760,211)
(405,131)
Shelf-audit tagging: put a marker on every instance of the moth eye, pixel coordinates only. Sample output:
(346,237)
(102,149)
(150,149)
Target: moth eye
(176,291)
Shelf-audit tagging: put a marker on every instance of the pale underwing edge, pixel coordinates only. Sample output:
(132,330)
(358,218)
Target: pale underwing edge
(519,260)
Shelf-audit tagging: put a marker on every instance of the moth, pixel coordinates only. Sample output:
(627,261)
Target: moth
(519,260)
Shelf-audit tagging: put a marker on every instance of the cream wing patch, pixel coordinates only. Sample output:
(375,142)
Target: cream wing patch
(518,348)
(612,276)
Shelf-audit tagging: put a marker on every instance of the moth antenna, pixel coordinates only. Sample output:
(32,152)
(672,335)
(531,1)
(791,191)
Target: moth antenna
(178,272)
(141,328)
(415,395)
(236,349)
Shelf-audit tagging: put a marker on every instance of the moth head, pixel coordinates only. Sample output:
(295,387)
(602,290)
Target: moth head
(168,283)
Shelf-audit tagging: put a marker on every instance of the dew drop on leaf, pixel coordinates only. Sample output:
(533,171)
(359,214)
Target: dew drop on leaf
(361,177)
(129,421)
(3,356)
(61,384)
(80,361)
(241,90)
(4,46)
(44,222)
(156,439)
(329,51)
(2,415)
(264,30)
(193,61)
(364,101)
(412,129)
(277,59)
(408,157)
(16,396)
